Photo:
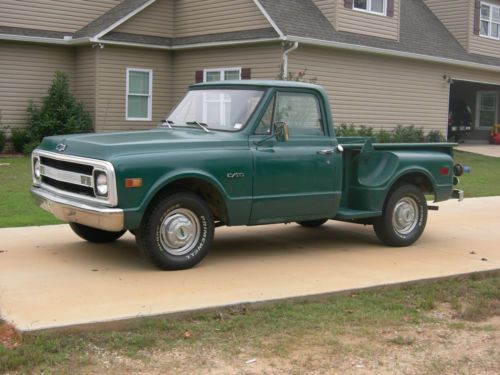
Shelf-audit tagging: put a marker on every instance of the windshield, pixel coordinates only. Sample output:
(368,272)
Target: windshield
(216,109)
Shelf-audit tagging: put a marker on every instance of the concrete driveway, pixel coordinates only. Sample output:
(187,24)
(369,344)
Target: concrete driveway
(483,149)
(50,278)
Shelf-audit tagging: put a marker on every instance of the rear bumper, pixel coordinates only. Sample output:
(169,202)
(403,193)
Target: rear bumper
(110,219)
(458,194)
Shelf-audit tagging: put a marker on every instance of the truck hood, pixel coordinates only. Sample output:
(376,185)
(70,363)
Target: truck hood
(107,146)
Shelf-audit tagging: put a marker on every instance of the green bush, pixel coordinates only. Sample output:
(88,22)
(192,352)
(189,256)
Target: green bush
(400,134)
(19,138)
(60,113)
(2,140)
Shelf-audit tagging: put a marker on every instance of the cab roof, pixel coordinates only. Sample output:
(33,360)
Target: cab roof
(260,83)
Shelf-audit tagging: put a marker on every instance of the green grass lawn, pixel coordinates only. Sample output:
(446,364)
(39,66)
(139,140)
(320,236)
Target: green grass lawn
(17,208)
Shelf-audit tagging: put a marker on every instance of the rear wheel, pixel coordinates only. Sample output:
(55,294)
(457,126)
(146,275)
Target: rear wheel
(312,223)
(95,235)
(177,233)
(404,217)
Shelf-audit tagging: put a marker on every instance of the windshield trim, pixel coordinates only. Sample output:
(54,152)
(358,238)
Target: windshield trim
(220,87)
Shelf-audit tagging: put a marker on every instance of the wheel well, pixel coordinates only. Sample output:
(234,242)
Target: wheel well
(204,189)
(418,179)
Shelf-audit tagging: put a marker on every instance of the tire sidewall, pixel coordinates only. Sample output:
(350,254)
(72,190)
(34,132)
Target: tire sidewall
(393,236)
(154,248)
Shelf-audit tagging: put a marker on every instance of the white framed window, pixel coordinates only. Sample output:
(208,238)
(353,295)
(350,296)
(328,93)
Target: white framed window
(371,6)
(139,94)
(221,74)
(490,21)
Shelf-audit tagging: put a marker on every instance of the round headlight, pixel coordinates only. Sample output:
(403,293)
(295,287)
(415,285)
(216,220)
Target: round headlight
(37,169)
(101,184)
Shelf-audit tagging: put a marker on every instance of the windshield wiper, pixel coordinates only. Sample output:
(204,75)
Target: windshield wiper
(168,123)
(200,124)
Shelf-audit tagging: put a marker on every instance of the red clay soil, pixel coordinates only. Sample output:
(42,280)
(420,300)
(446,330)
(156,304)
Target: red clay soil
(9,337)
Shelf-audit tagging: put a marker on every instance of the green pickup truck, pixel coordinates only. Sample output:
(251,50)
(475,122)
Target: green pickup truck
(237,153)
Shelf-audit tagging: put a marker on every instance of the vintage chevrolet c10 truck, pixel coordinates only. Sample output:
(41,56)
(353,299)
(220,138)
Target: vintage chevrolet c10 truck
(237,153)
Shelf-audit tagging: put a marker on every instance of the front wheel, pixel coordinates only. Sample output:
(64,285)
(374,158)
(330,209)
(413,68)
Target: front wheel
(404,217)
(177,232)
(95,235)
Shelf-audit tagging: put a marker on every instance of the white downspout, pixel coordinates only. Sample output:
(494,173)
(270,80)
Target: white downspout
(284,74)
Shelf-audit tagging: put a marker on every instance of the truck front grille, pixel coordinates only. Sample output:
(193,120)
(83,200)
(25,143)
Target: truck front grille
(67,166)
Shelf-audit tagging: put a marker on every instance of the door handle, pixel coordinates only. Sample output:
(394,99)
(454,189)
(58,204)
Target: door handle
(325,152)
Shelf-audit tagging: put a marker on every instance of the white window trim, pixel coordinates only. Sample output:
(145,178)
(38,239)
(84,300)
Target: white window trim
(369,5)
(149,95)
(489,20)
(478,107)
(220,71)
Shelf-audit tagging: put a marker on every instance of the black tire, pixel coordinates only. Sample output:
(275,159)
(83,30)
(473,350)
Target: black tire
(177,232)
(404,216)
(312,223)
(95,235)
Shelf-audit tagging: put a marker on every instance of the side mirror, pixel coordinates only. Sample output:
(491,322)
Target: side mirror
(281,131)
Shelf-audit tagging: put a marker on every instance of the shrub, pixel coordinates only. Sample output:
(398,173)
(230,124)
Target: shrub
(435,136)
(60,113)
(400,134)
(2,140)
(19,138)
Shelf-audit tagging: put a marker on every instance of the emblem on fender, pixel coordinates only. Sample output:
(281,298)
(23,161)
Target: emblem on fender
(235,175)
(61,147)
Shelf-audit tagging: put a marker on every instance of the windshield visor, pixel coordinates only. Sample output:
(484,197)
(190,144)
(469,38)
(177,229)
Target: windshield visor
(227,110)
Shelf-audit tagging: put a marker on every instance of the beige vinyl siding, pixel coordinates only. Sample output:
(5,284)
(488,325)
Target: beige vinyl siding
(328,8)
(65,16)
(26,72)
(356,21)
(156,20)
(85,78)
(263,59)
(454,14)
(384,92)
(112,64)
(480,44)
(198,17)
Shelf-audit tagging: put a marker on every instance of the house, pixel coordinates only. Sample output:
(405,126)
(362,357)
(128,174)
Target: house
(382,62)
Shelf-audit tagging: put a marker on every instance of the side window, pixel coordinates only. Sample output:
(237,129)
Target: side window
(301,112)
(265,123)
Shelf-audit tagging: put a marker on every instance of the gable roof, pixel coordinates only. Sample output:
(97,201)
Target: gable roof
(112,18)
(421,32)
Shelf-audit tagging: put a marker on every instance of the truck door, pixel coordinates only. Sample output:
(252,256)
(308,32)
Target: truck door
(299,179)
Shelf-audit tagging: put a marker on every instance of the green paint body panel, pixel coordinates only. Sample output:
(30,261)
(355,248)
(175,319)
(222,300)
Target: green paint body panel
(283,181)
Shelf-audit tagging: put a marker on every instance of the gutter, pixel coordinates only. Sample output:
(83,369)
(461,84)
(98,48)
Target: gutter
(40,39)
(392,53)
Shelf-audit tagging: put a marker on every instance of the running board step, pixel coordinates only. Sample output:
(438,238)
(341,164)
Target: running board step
(347,214)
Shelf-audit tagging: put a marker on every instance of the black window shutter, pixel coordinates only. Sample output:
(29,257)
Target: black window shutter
(246,73)
(348,3)
(390,8)
(477,17)
(198,76)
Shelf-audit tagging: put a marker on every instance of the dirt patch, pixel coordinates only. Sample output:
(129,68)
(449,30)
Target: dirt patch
(9,337)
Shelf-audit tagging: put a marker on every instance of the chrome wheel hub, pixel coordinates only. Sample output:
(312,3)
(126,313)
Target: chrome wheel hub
(179,231)
(405,216)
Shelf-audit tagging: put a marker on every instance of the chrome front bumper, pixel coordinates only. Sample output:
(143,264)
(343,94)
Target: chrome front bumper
(110,219)
(458,194)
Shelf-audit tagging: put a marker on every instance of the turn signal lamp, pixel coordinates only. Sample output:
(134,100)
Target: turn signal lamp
(133,183)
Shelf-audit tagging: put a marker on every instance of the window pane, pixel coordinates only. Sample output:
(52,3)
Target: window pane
(361,4)
(488,102)
(212,76)
(494,30)
(485,11)
(301,113)
(138,106)
(495,14)
(484,28)
(378,6)
(138,82)
(231,74)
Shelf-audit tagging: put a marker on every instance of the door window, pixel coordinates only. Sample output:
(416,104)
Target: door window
(487,109)
(301,112)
